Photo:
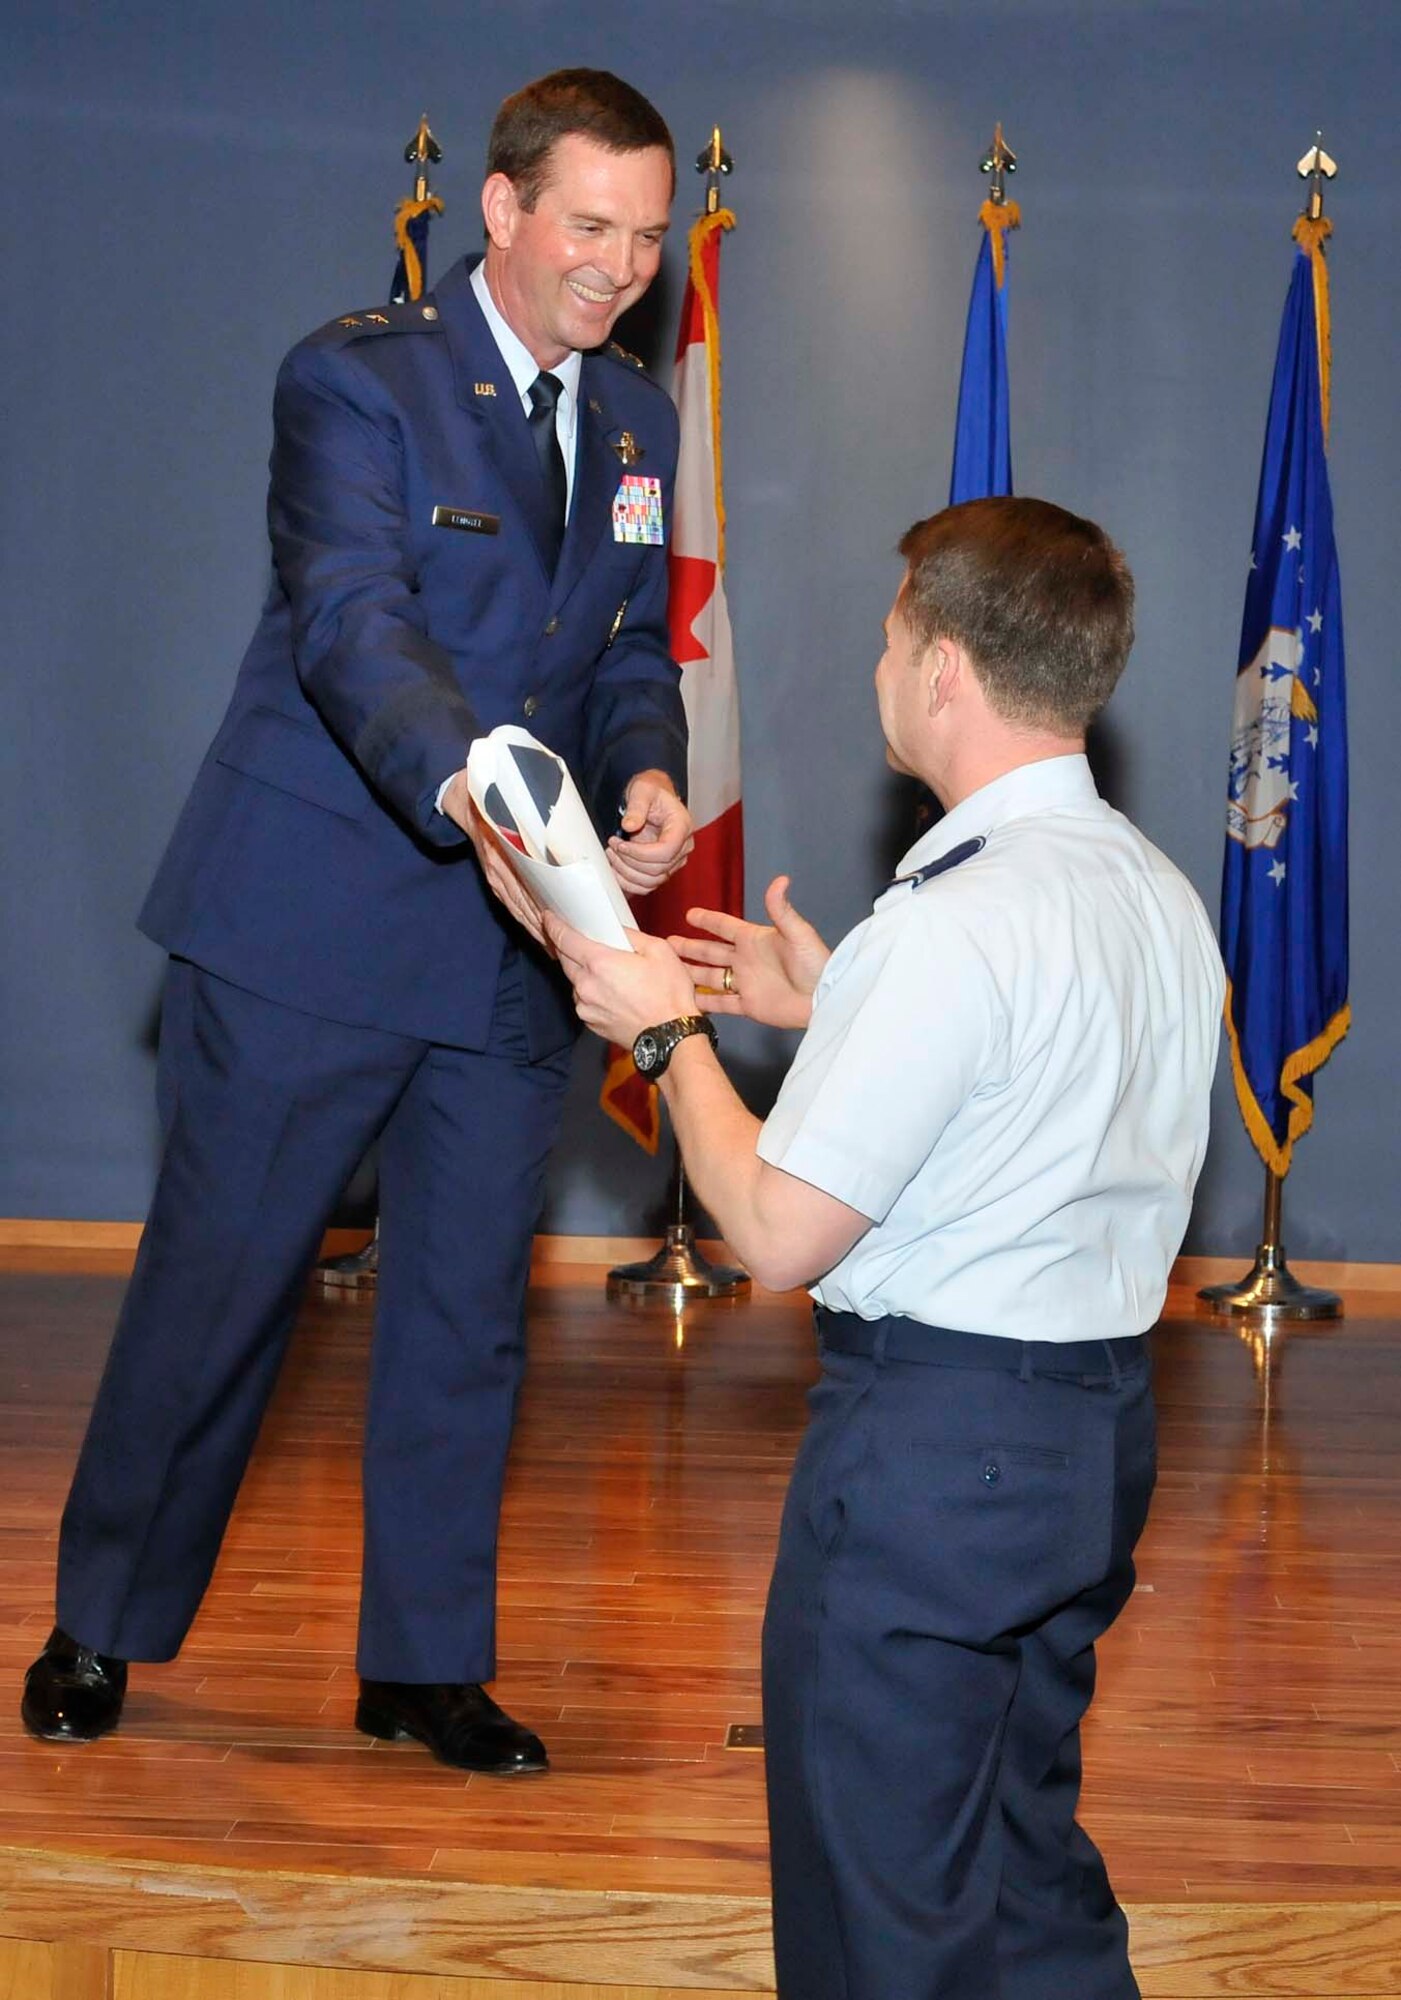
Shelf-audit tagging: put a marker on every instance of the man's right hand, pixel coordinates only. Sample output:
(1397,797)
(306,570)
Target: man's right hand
(502,879)
(773,968)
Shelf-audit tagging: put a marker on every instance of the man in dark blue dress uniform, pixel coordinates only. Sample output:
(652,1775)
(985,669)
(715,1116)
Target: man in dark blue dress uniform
(455,521)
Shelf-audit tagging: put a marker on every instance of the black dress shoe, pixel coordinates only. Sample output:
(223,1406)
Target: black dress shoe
(458,1720)
(71,1693)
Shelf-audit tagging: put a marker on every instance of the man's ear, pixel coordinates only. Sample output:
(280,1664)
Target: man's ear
(500,208)
(943,664)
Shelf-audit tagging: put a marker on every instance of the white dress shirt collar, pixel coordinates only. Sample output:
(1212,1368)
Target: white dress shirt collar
(517,356)
(1049,785)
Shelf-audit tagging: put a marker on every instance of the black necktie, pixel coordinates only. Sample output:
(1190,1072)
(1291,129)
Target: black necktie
(545,392)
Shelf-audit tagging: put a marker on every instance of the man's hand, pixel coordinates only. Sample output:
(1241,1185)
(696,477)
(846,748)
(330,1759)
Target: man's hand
(502,879)
(773,969)
(654,836)
(619,993)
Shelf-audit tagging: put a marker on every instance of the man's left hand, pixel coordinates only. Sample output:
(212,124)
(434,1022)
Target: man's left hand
(619,993)
(654,836)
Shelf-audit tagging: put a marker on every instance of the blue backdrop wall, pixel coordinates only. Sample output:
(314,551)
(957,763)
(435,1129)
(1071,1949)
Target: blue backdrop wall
(187,190)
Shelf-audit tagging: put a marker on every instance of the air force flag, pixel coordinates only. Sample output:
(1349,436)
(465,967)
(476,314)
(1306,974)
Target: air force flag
(982,450)
(1284,898)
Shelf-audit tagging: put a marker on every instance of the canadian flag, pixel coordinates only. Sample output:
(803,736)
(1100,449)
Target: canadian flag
(713,877)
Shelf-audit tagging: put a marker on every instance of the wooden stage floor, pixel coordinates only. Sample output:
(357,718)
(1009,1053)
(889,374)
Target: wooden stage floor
(1244,1753)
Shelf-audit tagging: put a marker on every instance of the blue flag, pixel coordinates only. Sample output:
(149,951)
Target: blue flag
(1284,895)
(982,451)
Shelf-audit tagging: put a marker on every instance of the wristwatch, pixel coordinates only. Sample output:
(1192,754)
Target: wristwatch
(654,1047)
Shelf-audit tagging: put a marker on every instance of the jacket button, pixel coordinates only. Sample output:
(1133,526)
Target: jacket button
(552,628)
(529,705)
(992,1472)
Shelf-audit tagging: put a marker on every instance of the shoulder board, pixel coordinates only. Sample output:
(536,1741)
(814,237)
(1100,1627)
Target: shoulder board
(628,360)
(415,316)
(955,858)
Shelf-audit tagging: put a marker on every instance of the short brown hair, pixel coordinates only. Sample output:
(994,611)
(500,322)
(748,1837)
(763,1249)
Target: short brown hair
(1041,600)
(592,102)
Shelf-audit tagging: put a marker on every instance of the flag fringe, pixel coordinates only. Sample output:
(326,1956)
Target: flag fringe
(997,217)
(619,1070)
(1311,233)
(409,211)
(702,230)
(1302,1063)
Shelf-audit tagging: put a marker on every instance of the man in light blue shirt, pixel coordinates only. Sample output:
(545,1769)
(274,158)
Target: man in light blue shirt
(982,1161)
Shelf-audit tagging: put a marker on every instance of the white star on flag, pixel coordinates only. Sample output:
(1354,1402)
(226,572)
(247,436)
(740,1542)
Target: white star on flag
(1315,621)
(1292,538)
(1313,737)
(1277,871)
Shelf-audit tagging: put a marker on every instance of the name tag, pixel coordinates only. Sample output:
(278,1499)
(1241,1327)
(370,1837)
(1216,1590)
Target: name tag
(637,509)
(467,519)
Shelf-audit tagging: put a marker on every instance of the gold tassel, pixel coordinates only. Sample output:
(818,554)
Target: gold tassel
(702,230)
(409,211)
(1311,232)
(997,217)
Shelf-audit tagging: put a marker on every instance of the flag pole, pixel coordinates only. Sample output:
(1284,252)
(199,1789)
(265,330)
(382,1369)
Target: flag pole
(998,162)
(678,1271)
(358,1270)
(413,215)
(1269,1290)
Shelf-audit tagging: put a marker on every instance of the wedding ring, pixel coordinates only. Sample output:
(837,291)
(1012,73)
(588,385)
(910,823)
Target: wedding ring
(727,982)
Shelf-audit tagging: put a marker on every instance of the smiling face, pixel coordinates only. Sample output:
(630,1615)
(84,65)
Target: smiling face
(563,271)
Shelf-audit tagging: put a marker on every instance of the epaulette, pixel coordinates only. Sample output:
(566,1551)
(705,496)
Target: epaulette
(413,316)
(629,360)
(955,858)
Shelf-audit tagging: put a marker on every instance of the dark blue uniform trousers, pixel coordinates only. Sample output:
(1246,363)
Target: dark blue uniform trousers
(955,1539)
(267,1111)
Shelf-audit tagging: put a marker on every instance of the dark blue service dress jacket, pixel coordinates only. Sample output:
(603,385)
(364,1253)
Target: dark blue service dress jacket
(309,864)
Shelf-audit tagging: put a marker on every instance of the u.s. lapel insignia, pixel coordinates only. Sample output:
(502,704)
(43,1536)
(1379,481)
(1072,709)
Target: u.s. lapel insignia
(349,320)
(484,388)
(377,319)
(595,406)
(628,449)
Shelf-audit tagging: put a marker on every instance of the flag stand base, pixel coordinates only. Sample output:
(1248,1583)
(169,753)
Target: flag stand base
(1270,1288)
(357,1271)
(676,1273)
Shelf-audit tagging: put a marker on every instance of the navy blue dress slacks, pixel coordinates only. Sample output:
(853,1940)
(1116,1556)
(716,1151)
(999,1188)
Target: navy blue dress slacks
(266,1113)
(954,1541)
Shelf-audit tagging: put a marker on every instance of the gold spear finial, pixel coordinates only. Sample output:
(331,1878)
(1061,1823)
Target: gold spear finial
(1316,168)
(999,161)
(714,161)
(422,151)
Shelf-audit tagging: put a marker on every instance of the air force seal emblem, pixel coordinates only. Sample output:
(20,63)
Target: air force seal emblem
(1269,695)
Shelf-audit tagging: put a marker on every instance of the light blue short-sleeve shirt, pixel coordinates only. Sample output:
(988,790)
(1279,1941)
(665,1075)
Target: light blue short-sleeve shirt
(1008,1069)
